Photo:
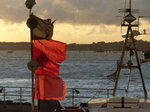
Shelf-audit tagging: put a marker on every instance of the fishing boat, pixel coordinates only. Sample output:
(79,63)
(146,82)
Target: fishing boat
(121,103)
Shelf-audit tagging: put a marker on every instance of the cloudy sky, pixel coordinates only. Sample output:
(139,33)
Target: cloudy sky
(78,21)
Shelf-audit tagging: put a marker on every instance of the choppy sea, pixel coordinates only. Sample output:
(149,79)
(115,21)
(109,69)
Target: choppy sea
(81,69)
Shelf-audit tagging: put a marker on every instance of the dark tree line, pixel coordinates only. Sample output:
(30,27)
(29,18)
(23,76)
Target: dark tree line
(111,46)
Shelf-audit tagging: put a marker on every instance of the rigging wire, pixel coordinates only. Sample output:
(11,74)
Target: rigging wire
(105,82)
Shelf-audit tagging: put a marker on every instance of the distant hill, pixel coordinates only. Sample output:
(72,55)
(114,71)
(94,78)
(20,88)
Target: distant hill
(14,46)
(111,46)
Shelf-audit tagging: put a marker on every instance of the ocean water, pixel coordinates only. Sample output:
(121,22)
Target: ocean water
(81,69)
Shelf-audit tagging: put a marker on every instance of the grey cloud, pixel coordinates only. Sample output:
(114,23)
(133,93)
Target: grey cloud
(12,11)
(83,11)
(71,11)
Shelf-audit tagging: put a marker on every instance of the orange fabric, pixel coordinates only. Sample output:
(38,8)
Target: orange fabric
(48,53)
(53,50)
(49,88)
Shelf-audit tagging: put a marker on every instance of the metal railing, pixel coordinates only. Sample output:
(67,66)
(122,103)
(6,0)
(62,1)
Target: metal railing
(83,95)
(74,95)
(19,95)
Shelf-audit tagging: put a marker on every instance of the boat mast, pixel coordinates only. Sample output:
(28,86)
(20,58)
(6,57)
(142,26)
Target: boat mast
(32,64)
(129,18)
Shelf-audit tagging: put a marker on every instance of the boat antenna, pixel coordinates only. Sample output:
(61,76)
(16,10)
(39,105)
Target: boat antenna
(29,4)
(124,11)
(129,18)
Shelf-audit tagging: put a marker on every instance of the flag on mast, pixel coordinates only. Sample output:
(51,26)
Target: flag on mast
(42,28)
(48,53)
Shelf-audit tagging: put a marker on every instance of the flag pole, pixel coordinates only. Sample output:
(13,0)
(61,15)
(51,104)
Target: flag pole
(29,4)
(32,71)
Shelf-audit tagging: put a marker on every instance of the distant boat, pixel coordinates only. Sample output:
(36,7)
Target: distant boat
(10,52)
(100,50)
